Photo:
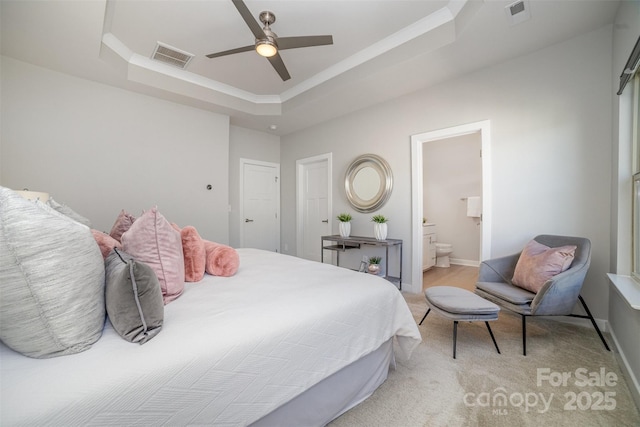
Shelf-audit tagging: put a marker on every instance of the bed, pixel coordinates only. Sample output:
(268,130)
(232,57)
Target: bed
(285,341)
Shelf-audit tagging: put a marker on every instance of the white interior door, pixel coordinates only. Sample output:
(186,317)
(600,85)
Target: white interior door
(314,205)
(260,205)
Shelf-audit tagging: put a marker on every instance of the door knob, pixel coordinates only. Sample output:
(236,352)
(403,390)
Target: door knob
(325,220)
(248,220)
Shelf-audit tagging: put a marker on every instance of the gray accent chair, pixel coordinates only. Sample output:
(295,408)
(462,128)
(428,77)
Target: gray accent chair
(558,296)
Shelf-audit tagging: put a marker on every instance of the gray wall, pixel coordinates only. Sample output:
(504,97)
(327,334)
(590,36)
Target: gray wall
(99,149)
(550,139)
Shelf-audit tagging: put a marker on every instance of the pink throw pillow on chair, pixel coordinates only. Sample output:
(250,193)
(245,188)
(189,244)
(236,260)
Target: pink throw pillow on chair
(539,263)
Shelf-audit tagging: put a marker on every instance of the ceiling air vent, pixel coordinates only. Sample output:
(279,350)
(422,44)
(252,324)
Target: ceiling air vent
(518,12)
(172,56)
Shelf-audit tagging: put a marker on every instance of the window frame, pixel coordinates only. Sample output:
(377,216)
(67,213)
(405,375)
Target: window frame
(635,185)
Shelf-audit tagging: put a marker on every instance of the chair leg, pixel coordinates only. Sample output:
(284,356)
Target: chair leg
(593,322)
(425,316)
(492,337)
(455,336)
(524,335)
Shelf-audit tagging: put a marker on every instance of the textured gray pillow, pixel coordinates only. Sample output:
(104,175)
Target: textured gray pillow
(52,287)
(66,210)
(134,298)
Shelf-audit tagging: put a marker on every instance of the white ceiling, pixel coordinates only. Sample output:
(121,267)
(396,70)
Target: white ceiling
(382,49)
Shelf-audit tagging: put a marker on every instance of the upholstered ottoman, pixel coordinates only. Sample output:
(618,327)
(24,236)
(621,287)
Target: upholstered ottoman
(460,305)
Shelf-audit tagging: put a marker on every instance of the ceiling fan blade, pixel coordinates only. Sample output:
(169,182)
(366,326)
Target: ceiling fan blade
(232,51)
(278,64)
(254,26)
(303,41)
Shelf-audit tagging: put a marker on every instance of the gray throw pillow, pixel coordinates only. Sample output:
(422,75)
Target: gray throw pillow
(51,280)
(134,298)
(66,210)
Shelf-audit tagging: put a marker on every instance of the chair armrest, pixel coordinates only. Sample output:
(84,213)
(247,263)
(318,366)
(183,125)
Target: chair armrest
(498,269)
(559,295)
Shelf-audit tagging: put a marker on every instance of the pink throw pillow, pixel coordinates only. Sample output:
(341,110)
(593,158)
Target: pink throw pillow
(122,224)
(195,255)
(222,260)
(539,263)
(153,241)
(105,242)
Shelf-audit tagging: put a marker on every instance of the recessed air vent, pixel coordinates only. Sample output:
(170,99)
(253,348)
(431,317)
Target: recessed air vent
(172,56)
(518,12)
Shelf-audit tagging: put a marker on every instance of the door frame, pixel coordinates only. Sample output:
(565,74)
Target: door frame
(244,162)
(417,141)
(300,165)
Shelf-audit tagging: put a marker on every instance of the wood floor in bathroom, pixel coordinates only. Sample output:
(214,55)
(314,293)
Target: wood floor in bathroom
(460,276)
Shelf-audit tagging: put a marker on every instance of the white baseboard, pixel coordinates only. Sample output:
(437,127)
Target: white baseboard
(632,380)
(465,262)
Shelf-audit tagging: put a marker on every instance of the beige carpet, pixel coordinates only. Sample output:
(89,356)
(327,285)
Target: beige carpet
(483,388)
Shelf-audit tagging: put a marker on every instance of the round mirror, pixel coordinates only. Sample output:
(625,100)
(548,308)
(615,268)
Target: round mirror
(368,183)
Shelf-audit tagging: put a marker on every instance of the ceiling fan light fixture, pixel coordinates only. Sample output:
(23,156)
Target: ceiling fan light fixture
(266,48)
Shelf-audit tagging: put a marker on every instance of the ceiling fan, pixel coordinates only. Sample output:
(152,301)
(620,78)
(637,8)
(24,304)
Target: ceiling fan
(268,43)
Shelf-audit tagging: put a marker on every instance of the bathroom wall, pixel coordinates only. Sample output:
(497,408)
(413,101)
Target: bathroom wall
(453,171)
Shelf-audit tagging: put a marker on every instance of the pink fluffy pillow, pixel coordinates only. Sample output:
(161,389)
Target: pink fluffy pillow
(105,242)
(122,224)
(222,260)
(153,241)
(539,263)
(195,255)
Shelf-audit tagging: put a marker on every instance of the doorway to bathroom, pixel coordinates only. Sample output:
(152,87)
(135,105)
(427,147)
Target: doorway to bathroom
(451,168)
(452,192)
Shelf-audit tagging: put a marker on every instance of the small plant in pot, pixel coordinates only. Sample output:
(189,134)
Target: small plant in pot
(380,226)
(374,264)
(344,225)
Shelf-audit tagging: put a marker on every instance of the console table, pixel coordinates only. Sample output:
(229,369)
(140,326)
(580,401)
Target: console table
(341,244)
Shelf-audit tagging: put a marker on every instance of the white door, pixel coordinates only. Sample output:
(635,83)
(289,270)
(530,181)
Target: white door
(260,205)
(314,205)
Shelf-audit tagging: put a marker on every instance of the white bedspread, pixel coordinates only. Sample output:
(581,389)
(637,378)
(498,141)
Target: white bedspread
(231,350)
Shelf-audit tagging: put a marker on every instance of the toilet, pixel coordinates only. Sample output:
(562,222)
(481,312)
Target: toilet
(443,250)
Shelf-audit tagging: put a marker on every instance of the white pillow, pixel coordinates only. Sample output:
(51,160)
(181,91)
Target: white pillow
(52,283)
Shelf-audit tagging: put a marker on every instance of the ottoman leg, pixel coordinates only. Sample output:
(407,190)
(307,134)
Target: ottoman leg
(492,337)
(425,316)
(455,335)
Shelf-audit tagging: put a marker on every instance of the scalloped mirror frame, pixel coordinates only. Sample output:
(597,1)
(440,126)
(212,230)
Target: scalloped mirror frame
(361,165)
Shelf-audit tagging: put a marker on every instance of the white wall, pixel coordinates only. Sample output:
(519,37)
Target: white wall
(550,115)
(246,144)
(100,149)
(452,171)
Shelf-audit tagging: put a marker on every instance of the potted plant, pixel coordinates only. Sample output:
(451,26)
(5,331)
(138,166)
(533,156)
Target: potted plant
(380,226)
(374,264)
(344,225)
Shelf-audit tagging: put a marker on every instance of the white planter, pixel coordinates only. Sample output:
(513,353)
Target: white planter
(380,230)
(345,229)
